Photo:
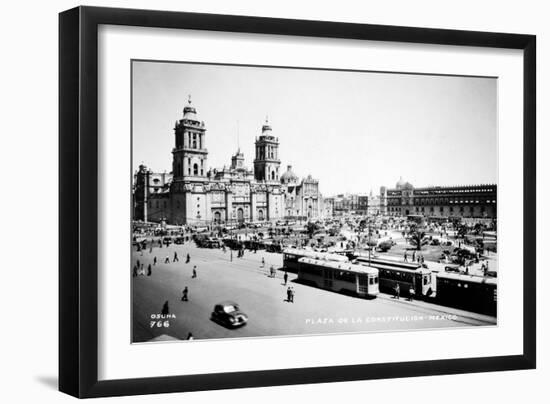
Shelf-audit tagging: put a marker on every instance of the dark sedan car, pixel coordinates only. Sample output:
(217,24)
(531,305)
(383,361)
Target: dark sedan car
(229,315)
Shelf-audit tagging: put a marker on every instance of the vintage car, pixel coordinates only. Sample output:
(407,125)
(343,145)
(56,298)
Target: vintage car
(228,314)
(179,240)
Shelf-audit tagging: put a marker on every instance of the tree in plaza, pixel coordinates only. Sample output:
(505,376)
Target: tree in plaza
(418,238)
(385,246)
(479,228)
(311,228)
(461,231)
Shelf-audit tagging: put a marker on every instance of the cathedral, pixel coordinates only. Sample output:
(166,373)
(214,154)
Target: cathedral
(191,194)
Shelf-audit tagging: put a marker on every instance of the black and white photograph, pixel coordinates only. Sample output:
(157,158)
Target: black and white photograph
(272,201)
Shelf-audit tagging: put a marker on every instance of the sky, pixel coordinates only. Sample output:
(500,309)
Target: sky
(353,131)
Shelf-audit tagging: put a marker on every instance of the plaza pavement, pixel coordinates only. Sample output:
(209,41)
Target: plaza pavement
(263,299)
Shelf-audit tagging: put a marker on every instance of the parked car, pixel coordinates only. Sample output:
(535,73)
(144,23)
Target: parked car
(167,240)
(452,268)
(142,243)
(179,240)
(228,314)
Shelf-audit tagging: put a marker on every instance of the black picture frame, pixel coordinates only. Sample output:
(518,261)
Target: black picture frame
(78,201)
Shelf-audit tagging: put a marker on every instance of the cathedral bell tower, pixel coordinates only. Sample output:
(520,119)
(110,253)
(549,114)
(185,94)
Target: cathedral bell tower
(189,154)
(266,163)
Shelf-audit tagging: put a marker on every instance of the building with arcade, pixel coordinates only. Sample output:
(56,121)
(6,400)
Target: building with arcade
(461,201)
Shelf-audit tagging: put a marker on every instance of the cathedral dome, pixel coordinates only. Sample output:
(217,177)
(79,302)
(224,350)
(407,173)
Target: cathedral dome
(289,176)
(400,184)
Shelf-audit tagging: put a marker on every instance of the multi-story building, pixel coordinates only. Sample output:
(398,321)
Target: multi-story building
(191,194)
(374,205)
(464,201)
(350,203)
(362,206)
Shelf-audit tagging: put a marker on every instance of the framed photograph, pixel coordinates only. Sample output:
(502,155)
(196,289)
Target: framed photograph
(251,202)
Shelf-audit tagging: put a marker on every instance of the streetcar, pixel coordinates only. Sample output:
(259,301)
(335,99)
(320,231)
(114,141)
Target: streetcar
(408,275)
(341,277)
(468,292)
(292,255)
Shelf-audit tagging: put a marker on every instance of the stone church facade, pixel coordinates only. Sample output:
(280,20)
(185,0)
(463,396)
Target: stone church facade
(191,194)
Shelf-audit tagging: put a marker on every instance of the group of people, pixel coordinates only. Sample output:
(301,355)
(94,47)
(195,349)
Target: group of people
(414,258)
(290,294)
(397,292)
(139,269)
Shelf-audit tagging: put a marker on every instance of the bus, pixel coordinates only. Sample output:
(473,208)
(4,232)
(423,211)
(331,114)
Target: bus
(409,276)
(292,255)
(341,277)
(468,292)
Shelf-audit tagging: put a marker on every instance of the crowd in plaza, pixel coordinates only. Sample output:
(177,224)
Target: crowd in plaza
(451,242)
(464,249)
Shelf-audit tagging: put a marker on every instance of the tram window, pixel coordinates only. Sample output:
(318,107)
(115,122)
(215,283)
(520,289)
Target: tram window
(310,270)
(344,276)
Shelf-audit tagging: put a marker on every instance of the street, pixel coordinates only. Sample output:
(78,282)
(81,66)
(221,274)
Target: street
(263,299)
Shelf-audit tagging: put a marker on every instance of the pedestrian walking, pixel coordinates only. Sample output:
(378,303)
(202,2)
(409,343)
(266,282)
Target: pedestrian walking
(285,277)
(291,295)
(288,293)
(194,272)
(151,248)
(272,271)
(263,262)
(155,260)
(413,256)
(167,260)
(165,309)
(411,293)
(138,264)
(397,290)
(184,294)
(188,259)
(149,270)
(405,256)
(175,257)
(134,273)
